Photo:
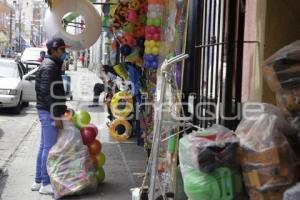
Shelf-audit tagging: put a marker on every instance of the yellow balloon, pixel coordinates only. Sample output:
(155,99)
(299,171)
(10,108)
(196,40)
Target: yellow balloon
(148,50)
(152,43)
(157,44)
(155,51)
(147,43)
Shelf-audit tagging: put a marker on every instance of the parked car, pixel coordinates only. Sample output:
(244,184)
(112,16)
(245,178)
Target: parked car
(16,85)
(32,54)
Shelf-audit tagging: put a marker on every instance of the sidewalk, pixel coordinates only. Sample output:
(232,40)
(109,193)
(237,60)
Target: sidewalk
(124,160)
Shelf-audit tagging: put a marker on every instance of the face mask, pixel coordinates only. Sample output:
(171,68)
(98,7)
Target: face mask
(64,56)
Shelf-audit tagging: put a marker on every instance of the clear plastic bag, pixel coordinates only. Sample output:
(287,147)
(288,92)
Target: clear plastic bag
(210,174)
(282,73)
(70,167)
(292,193)
(267,157)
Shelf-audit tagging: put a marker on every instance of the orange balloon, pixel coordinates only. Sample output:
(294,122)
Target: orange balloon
(95,161)
(95,148)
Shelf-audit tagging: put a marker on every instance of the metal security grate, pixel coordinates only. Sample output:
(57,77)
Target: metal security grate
(215,45)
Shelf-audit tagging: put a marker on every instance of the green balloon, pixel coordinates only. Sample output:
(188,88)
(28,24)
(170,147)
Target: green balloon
(100,174)
(101,159)
(150,22)
(81,119)
(156,22)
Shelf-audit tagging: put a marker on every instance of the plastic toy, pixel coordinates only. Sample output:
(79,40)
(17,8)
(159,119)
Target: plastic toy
(128,39)
(134,5)
(131,16)
(121,104)
(118,124)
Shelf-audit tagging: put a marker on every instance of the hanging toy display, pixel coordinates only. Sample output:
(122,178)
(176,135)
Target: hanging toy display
(122,104)
(120,129)
(153,34)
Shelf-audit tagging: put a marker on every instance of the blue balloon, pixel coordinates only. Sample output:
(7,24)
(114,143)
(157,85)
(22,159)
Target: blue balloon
(147,64)
(154,65)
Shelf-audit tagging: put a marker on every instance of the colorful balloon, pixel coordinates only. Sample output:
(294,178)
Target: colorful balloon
(100,174)
(101,159)
(81,119)
(95,147)
(95,161)
(88,135)
(156,22)
(131,16)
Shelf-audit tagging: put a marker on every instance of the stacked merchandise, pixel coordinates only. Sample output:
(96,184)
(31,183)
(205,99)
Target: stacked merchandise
(210,165)
(268,160)
(281,72)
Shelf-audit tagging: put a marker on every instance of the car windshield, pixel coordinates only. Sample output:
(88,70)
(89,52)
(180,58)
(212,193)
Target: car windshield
(8,70)
(31,54)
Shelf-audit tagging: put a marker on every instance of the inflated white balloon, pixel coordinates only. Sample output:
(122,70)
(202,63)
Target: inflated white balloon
(154,15)
(54,26)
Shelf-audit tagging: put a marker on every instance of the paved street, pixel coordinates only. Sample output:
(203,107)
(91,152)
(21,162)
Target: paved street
(19,141)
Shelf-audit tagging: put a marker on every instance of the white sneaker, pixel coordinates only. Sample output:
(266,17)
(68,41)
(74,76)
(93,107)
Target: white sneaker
(46,190)
(36,186)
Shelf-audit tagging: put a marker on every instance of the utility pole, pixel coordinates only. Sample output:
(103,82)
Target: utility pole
(10,29)
(20,24)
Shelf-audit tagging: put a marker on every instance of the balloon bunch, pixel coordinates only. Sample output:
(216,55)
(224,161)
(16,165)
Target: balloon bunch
(89,133)
(153,33)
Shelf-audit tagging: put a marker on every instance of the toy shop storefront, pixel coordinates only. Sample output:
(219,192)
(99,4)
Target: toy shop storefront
(181,81)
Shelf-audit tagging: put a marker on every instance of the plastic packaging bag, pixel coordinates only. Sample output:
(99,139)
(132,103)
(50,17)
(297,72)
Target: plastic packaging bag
(268,161)
(70,167)
(209,164)
(282,73)
(293,193)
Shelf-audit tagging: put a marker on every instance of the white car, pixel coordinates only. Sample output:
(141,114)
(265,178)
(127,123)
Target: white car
(16,85)
(32,54)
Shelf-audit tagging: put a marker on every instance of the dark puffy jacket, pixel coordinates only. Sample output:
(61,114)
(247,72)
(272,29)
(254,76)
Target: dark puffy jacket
(49,74)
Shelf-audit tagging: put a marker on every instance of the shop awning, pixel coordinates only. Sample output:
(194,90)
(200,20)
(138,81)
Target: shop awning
(3,38)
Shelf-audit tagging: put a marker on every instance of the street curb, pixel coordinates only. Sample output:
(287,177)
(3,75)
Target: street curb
(3,168)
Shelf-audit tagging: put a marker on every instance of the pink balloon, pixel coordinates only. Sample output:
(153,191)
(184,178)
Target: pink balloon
(149,36)
(152,30)
(156,37)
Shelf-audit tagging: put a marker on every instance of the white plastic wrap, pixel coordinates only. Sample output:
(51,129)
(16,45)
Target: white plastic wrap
(70,167)
(269,163)
(213,174)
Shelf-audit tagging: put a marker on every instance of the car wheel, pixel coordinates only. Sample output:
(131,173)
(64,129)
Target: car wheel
(18,108)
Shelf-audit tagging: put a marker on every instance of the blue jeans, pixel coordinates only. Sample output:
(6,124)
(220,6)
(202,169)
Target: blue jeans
(48,139)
